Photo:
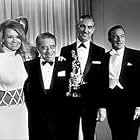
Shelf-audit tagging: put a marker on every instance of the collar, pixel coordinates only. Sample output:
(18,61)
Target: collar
(43,62)
(8,51)
(117,52)
(121,51)
(87,43)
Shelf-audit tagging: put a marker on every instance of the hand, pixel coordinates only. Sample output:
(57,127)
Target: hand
(137,113)
(101,114)
(61,58)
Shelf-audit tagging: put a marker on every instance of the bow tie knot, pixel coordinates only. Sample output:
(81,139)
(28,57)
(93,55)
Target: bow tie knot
(82,45)
(114,52)
(44,62)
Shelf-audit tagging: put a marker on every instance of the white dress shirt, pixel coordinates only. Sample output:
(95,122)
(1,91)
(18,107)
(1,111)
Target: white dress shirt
(47,71)
(115,65)
(83,54)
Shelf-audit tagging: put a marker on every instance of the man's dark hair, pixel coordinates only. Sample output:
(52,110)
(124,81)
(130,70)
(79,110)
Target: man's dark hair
(112,29)
(85,17)
(44,36)
(81,18)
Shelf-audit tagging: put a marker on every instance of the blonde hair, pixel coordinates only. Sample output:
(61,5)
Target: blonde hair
(15,25)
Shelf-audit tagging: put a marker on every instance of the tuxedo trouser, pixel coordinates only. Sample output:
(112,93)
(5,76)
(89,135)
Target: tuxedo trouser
(35,123)
(85,109)
(120,116)
(61,118)
(88,115)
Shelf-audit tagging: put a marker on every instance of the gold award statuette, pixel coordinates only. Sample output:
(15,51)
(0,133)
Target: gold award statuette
(76,78)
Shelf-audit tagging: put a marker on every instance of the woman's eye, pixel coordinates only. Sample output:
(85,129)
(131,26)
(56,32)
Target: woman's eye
(18,37)
(10,36)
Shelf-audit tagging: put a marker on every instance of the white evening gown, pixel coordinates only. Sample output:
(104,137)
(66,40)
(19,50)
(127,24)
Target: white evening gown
(13,112)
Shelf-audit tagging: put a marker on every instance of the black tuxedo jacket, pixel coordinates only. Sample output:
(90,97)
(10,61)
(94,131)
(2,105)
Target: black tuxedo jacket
(129,75)
(93,91)
(46,109)
(34,87)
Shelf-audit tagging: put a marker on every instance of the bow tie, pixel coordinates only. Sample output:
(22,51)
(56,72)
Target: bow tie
(82,45)
(113,52)
(44,62)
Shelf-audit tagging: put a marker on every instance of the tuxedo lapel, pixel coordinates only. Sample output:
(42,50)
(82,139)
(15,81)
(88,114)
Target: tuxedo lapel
(74,46)
(107,62)
(39,73)
(88,64)
(54,72)
(124,61)
(89,59)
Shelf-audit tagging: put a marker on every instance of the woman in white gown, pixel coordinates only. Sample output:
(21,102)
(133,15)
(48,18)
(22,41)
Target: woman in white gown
(13,111)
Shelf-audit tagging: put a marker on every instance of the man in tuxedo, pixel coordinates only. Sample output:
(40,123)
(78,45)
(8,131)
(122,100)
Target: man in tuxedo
(122,71)
(86,99)
(45,88)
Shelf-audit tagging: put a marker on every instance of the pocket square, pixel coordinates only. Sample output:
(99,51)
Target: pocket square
(129,64)
(96,62)
(61,73)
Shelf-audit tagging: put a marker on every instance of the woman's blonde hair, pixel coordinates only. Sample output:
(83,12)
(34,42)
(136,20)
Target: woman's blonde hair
(15,25)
